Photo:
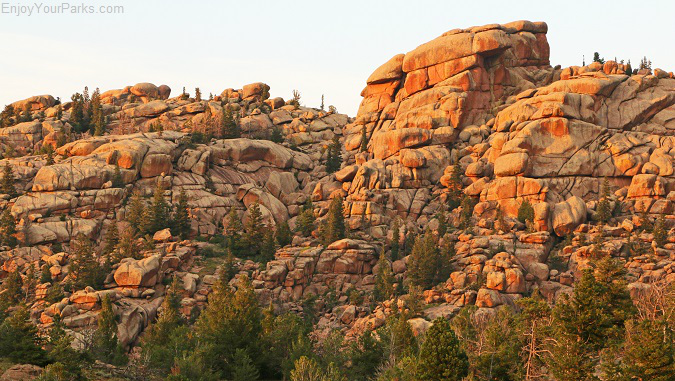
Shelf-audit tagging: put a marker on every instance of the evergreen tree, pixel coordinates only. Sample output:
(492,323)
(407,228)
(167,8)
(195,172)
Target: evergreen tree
(233,231)
(384,279)
(159,211)
(13,287)
(334,155)
(19,339)
(305,221)
(111,239)
(441,356)
(136,212)
(491,343)
(7,181)
(455,187)
(106,347)
(49,159)
(306,369)
(526,212)
(283,234)
(395,239)
(659,231)
(97,127)
(254,230)
(180,219)
(27,116)
(603,208)
(596,58)
(277,135)
(333,227)
(7,116)
(162,343)
(7,229)
(243,368)
(198,95)
(534,328)
(85,269)
(78,117)
(366,354)
(127,247)
(427,264)
(590,320)
(230,127)
(231,321)
(117,179)
(648,351)
(268,247)
(60,351)
(364,139)
(229,269)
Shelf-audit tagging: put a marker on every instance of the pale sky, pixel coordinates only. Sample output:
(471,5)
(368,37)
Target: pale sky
(317,47)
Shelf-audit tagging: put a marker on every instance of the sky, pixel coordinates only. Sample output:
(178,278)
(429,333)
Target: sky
(317,47)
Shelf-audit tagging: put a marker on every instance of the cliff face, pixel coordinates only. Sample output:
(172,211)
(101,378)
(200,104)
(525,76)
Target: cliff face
(483,102)
(487,98)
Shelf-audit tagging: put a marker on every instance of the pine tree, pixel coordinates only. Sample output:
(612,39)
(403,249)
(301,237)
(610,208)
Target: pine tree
(254,230)
(19,339)
(117,179)
(384,279)
(283,234)
(7,229)
(106,345)
(136,211)
(231,321)
(49,159)
(127,246)
(233,231)
(603,208)
(7,116)
(534,327)
(659,231)
(334,155)
(268,247)
(180,219)
(648,351)
(243,368)
(364,139)
(441,356)
(306,369)
(395,239)
(525,212)
(596,58)
(27,116)
(7,181)
(85,270)
(590,320)
(97,127)
(159,344)
(455,187)
(13,287)
(111,239)
(229,269)
(305,221)
(427,264)
(333,227)
(198,95)
(159,212)
(230,127)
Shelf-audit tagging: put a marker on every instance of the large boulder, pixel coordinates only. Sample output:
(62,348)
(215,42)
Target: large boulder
(567,215)
(138,273)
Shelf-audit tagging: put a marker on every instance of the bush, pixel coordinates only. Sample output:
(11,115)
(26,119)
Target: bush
(526,212)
